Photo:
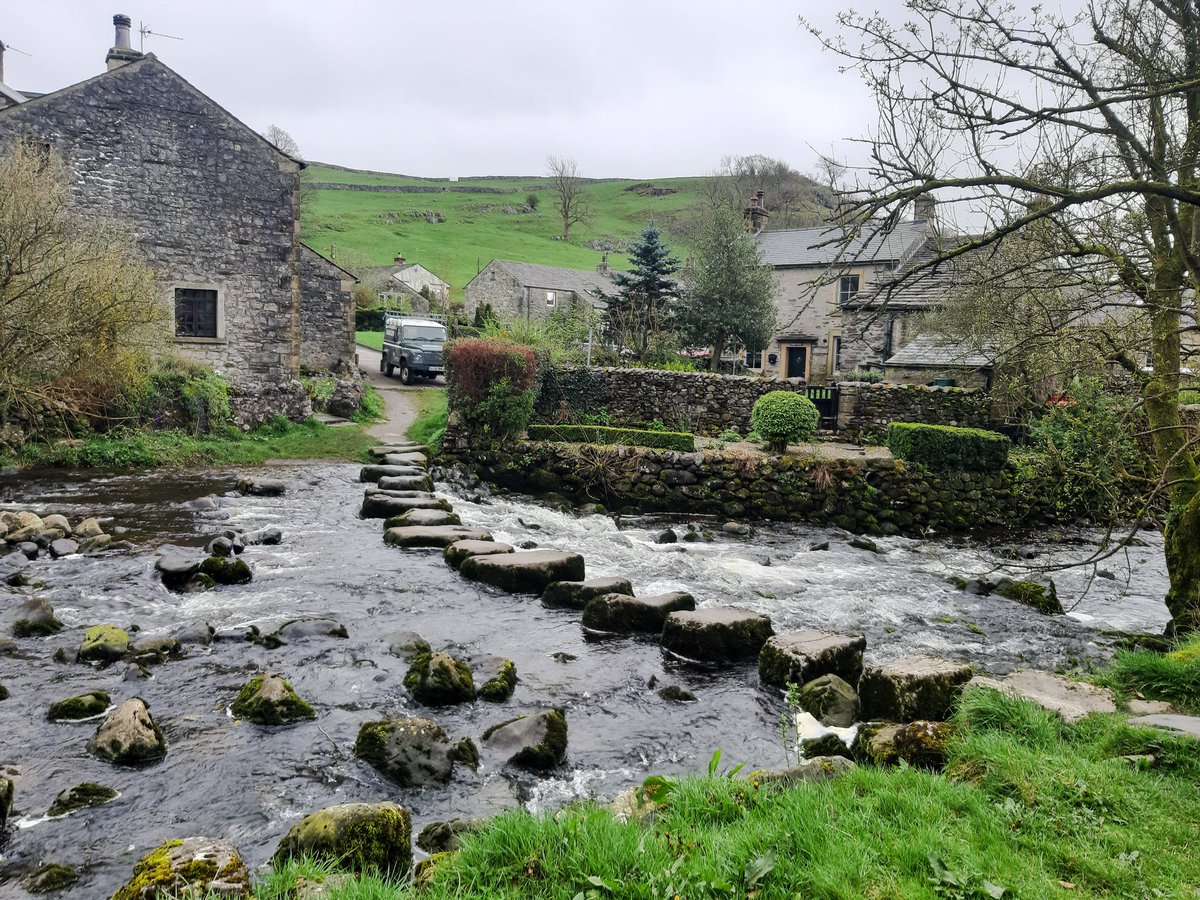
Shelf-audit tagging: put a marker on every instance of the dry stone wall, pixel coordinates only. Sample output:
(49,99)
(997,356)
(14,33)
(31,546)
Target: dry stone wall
(865,410)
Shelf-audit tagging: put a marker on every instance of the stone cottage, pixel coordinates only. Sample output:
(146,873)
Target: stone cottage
(818,272)
(519,290)
(213,208)
(416,284)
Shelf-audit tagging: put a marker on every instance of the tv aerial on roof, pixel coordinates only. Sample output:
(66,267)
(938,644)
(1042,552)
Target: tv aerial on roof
(15,49)
(145,32)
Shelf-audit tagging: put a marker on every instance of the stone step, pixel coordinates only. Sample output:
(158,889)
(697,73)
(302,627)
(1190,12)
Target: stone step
(406,459)
(381,452)
(424,517)
(459,551)
(622,614)
(800,656)
(384,506)
(576,594)
(916,687)
(717,634)
(405,483)
(1072,700)
(525,571)
(1189,725)
(375,472)
(433,535)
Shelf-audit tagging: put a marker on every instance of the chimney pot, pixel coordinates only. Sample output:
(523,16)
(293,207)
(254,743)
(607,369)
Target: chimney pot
(122,23)
(122,51)
(399,259)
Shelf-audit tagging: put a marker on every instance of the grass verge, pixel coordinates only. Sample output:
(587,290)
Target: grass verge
(146,449)
(430,423)
(372,339)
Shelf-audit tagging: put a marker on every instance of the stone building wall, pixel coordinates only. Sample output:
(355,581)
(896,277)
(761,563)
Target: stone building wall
(878,496)
(683,401)
(865,410)
(211,205)
(326,314)
(495,286)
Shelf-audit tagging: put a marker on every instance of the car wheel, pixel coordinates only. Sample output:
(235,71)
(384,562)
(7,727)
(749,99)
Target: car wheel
(405,375)
(388,369)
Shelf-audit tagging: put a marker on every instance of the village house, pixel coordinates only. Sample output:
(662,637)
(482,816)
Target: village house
(213,209)
(414,283)
(818,274)
(516,290)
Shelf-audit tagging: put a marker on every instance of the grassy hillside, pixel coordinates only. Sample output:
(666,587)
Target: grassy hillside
(481,226)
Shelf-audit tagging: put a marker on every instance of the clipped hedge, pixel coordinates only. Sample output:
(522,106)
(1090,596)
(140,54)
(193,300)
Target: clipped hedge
(946,447)
(600,434)
(784,417)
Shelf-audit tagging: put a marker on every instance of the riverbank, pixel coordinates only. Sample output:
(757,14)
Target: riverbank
(170,448)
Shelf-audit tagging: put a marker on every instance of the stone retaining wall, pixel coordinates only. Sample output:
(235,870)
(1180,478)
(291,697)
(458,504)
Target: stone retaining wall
(866,409)
(878,496)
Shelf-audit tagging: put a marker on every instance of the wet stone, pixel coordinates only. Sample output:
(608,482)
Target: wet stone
(411,752)
(497,677)
(830,700)
(442,837)
(262,487)
(269,537)
(82,706)
(33,618)
(717,634)
(620,613)
(82,796)
(433,536)
(916,687)
(225,570)
(798,657)
(50,878)
(439,679)
(406,644)
(270,700)
(306,629)
(129,736)
(374,473)
(405,483)
(462,550)
(360,837)
(406,459)
(536,742)
(103,644)
(576,594)
(176,568)
(525,572)
(195,866)
(424,517)
(383,506)
(63,547)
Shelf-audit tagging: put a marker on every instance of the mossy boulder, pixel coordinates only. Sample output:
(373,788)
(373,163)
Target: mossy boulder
(825,745)
(358,837)
(51,877)
(623,614)
(923,744)
(536,742)
(718,634)
(411,752)
(226,570)
(82,796)
(270,700)
(406,644)
(830,700)
(875,744)
(6,800)
(129,736)
(817,768)
(466,752)
(103,644)
(439,679)
(82,706)
(916,687)
(442,837)
(154,650)
(3,692)
(1043,598)
(193,867)
(498,677)
(798,657)
(34,618)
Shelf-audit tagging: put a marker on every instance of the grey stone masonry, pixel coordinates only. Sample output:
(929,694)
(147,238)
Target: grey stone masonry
(212,207)
(865,410)
(326,313)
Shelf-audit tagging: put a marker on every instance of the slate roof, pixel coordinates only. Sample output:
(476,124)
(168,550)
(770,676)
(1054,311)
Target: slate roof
(935,351)
(581,281)
(822,246)
(918,290)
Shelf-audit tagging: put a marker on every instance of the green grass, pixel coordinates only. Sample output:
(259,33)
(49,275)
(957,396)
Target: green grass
(372,339)
(147,449)
(377,226)
(430,423)
(1174,677)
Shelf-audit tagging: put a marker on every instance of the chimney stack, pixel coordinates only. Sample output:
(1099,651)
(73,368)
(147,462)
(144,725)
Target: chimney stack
(399,261)
(122,51)
(1,62)
(603,267)
(925,209)
(756,214)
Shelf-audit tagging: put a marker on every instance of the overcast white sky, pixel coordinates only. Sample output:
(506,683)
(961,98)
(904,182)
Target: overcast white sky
(635,88)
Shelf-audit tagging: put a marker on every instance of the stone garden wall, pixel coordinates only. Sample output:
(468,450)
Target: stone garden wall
(878,496)
(683,401)
(866,409)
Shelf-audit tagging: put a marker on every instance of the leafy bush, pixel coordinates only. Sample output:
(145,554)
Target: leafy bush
(783,418)
(531,200)
(598,434)
(490,385)
(1087,448)
(180,395)
(369,319)
(946,447)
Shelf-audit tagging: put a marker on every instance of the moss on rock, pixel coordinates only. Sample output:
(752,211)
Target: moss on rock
(411,752)
(82,796)
(270,700)
(355,836)
(467,753)
(129,736)
(1036,596)
(51,877)
(103,643)
(226,570)
(439,679)
(500,687)
(82,706)
(536,742)
(196,866)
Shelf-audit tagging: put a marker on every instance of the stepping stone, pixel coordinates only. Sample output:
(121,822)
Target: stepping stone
(373,491)
(576,594)
(718,634)
(798,657)
(374,473)
(621,613)
(424,517)
(176,567)
(405,483)
(262,487)
(406,459)
(1071,700)
(433,535)
(916,687)
(381,506)
(1189,725)
(381,452)
(526,571)
(63,547)
(459,551)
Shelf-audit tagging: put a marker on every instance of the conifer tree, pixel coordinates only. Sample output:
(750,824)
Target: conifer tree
(641,307)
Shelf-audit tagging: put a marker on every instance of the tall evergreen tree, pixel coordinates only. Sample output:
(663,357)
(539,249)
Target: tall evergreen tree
(730,297)
(641,307)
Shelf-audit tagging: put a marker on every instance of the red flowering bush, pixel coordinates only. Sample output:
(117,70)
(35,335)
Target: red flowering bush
(491,386)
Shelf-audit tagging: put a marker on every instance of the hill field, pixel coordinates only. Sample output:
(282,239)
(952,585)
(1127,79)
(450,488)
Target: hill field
(454,228)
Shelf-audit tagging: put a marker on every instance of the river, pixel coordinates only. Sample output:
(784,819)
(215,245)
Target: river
(224,778)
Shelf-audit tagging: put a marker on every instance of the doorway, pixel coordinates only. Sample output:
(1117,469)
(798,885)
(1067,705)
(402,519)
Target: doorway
(797,362)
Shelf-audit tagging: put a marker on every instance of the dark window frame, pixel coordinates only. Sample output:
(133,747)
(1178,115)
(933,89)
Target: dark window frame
(197,313)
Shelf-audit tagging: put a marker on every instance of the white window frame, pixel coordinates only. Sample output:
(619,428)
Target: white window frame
(200,286)
(551,298)
(845,294)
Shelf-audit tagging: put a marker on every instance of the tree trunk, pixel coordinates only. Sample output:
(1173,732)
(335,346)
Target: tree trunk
(714,363)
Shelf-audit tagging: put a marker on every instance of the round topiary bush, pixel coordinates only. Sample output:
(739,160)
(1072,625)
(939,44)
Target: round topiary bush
(783,418)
